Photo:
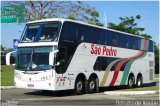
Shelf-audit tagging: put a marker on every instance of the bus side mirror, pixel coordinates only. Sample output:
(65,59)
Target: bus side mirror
(57,64)
(8,57)
(56,51)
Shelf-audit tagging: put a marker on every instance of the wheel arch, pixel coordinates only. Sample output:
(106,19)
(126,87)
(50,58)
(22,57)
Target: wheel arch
(93,75)
(139,75)
(81,75)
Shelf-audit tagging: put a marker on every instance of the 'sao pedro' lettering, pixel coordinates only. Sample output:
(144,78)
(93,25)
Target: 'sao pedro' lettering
(97,50)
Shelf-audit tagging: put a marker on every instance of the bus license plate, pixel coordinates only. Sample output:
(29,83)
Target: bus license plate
(30,85)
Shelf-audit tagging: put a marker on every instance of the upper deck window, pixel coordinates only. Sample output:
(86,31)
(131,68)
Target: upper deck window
(41,32)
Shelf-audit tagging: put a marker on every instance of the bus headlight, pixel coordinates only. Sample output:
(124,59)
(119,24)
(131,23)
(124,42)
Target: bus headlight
(17,75)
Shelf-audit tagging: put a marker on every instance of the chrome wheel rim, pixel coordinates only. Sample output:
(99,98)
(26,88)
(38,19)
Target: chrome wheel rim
(130,82)
(79,86)
(139,82)
(91,85)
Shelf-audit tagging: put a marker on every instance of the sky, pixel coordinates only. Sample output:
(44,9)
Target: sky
(148,10)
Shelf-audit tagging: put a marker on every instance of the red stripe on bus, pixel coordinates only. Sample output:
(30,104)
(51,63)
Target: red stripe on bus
(118,67)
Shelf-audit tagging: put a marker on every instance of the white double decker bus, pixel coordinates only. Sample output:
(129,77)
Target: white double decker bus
(61,54)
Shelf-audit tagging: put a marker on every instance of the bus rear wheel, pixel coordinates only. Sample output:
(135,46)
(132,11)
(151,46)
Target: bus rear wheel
(93,85)
(130,82)
(79,86)
(139,81)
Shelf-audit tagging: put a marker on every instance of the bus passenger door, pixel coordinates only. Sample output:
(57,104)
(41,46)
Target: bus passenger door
(61,68)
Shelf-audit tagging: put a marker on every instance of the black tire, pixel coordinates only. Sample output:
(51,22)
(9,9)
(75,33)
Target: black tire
(130,82)
(79,86)
(139,81)
(86,87)
(92,85)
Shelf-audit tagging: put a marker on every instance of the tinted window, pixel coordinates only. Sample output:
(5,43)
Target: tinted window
(103,37)
(122,40)
(41,32)
(96,36)
(112,38)
(139,43)
(85,33)
(150,46)
(69,32)
(109,38)
(102,63)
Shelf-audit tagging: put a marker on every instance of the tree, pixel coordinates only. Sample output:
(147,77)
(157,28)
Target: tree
(146,36)
(157,55)
(75,10)
(6,49)
(92,17)
(129,25)
(2,48)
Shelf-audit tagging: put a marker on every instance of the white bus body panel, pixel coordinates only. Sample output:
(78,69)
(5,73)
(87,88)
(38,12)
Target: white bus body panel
(83,62)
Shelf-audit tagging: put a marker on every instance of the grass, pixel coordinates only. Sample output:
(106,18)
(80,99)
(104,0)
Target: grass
(7,75)
(151,88)
(157,75)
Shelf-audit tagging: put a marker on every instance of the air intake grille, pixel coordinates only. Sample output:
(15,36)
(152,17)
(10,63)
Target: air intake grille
(151,74)
(151,64)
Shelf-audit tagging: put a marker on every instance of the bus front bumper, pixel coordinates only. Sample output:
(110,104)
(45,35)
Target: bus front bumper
(39,85)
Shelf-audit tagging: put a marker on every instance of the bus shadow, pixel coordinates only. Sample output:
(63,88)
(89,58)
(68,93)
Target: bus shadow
(64,93)
(114,88)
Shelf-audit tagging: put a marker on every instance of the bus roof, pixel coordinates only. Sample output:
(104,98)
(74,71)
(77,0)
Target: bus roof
(80,22)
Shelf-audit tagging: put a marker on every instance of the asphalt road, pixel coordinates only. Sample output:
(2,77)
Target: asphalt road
(33,97)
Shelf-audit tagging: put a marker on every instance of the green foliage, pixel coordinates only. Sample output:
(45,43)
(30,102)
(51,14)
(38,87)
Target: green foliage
(71,17)
(129,25)
(92,17)
(157,55)
(9,49)
(146,36)
(2,48)
(6,49)
(138,16)
(85,13)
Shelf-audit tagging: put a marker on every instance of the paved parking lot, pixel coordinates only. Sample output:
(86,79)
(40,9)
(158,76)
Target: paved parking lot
(34,97)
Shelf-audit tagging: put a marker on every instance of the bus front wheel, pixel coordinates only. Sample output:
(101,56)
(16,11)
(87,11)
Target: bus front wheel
(79,86)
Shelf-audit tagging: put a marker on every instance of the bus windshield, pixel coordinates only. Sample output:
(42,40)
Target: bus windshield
(33,58)
(41,32)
